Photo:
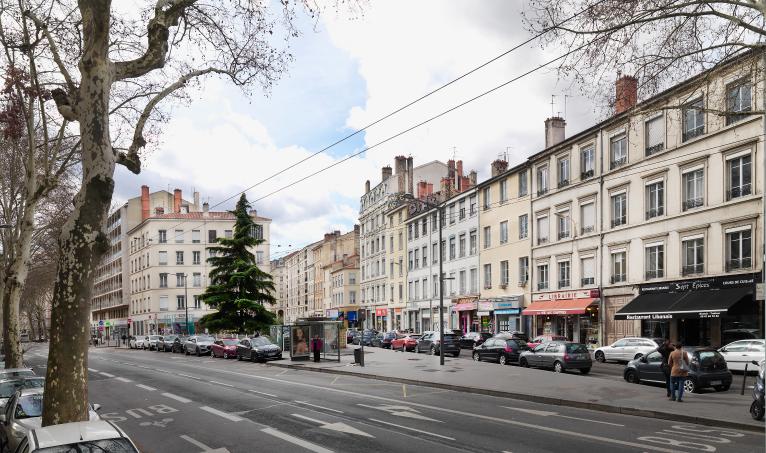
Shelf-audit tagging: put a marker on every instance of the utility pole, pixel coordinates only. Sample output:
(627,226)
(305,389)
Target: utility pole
(441,288)
(186,302)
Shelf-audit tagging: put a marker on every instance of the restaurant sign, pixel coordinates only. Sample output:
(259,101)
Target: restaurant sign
(564,295)
(729,281)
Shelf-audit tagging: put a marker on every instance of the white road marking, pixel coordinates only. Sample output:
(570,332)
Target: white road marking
(263,393)
(146,387)
(320,407)
(339,427)
(411,429)
(92,370)
(221,414)
(402,411)
(296,440)
(134,412)
(122,379)
(335,379)
(106,374)
(204,447)
(221,383)
(176,397)
(283,372)
(556,414)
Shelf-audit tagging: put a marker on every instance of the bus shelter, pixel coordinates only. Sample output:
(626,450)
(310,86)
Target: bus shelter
(298,337)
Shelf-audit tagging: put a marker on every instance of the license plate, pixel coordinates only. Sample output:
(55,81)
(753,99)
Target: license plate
(715,382)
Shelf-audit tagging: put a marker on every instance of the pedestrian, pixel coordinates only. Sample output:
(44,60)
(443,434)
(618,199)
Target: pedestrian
(665,349)
(124,337)
(316,347)
(679,369)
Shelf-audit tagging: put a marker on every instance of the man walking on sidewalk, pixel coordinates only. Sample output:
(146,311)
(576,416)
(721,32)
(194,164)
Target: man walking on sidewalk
(316,347)
(665,349)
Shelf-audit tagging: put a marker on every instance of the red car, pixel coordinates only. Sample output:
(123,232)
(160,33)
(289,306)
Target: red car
(544,339)
(225,347)
(405,342)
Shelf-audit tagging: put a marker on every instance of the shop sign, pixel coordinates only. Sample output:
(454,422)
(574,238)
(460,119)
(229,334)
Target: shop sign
(108,324)
(397,310)
(381,312)
(563,295)
(486,306)
(666,316)
(729,281)
(508,311)
(332,313)
(482,313)
(465,307)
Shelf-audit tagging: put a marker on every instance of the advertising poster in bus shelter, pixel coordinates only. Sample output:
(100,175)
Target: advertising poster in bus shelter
(300,344)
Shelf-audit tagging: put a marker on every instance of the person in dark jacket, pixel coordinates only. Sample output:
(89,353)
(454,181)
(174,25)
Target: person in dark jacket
(665,349)
(316,347)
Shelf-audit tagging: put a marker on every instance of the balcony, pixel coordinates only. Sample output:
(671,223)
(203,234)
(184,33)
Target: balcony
(736,192)
(655,212)
(586,175)
(692,269)
(657,273)
(563,234)
(585,281)
(564,284)
(541,192)
(541,241)
(618,221)
(691,133)
(617,278)
(659,147)
(618,162)
(738,263)
(692,203)
(588,229)
(542,285)
(563,183)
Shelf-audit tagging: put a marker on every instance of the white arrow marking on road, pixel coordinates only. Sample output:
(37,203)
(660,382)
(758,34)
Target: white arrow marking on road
(412,429)
(204,447)
(556,414)
(340,427)
(402,411)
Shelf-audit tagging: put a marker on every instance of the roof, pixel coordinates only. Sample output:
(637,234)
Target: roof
(211,215)
(522,166)
(69,433)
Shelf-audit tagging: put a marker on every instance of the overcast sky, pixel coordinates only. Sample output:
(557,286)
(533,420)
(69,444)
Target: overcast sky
(346,74)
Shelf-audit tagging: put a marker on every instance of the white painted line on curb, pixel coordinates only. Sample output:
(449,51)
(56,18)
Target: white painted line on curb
(221,383)
(296,440)
(146,387)
(320,407)
(106,374)
(221,414)
(411,429)
(122,379)
(176,397)
(264,393)
(92,370)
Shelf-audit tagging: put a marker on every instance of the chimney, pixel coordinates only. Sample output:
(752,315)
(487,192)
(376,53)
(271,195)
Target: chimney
(498,167)
(459,168)
(410,175)
(356,228)
(554,131)
(626,93)
(422,189)
(177,200)
(400,164)
(205,207)
(253,213)
(367,186)
(472,177)
(144,202)
(386,172)
(430,189)
(196,201)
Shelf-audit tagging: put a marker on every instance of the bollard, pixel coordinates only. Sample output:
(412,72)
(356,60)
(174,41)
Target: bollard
(744,380)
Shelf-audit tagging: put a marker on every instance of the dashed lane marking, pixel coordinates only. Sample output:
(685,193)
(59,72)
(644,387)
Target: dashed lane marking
(221,383)
(319,407)
(146,387)
(122,379)
(221,414)
(296,440)
(412,429)
(92,370)
(106,374)
(263,393)
(176,397)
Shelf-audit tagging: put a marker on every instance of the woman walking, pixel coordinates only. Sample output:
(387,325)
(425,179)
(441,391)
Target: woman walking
(679,370)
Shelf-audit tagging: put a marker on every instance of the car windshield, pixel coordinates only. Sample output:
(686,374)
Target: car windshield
(205,338)
(100,446)
(260,341)
(169,337)
(29,406)
(154,337)
(576,348)
(14,374)
(711,358)
(7,388)
(230,342)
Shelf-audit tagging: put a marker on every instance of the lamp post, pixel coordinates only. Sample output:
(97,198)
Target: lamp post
(186,302)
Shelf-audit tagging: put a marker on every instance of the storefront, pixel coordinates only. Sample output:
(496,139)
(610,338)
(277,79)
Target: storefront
(572,314)
(703,312)
(506,314)
(381,317)
(465,316)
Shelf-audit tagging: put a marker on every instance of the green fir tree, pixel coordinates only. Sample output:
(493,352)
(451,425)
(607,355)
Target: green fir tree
(238,289)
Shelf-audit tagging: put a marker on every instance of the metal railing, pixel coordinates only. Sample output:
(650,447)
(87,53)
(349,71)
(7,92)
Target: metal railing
(655,212)
(586,174)
(693,203)
(588,229)
(563,183)
(696,132)
(657,273)
(617,278)
(659,147)
(691,269)
(618,162)
(542,285)
(563,234)
(564,284)
(542,241)
(736,192)
(541,192)
(618,221)
(585,281)
(738,263)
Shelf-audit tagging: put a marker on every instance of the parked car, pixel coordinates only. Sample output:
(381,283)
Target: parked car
(708,369)
(516,335)
(139,342)
(625,349)
(10,386)
(11,373)
(473,339)
(23,412)
(500,349)
(742,352)
(91,436)
(350,335)
(166,344)
(365,337)
(383,340)
(224,347)
(258,349)
(178,345)
(435,345)
(151,343)
(544,339)
(559,356)
(405,342)
(198,345)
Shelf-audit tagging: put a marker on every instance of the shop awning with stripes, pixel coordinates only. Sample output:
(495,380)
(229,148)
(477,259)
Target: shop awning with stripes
(559,307)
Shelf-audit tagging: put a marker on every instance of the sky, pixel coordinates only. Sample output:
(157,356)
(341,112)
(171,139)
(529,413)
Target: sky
(347,72)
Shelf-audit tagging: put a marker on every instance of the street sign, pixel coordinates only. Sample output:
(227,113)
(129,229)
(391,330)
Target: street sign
(100,328)
(130,320)
(101,323)
(108,324)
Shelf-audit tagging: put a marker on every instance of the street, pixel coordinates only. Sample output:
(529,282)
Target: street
(173,403)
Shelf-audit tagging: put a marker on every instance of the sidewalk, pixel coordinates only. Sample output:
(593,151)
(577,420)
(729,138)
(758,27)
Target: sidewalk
(725,409)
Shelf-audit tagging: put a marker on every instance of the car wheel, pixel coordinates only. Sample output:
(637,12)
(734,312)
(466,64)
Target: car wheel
(523,363)
(632,377)
(502,360)
(690,386)
(638,356)
(584,370)
(756,410)
(722,388)
(225,355)
(600,357)
(558,367)
(433,350)
(476,357)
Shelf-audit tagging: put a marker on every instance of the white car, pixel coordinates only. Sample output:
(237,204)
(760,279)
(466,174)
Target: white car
(626,349)
(742,352)
(139,342)
(79,436)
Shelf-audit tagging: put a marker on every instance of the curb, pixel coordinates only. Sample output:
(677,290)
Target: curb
(636,412)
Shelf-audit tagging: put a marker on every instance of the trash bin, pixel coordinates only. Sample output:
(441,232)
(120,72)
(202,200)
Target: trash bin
(358,356)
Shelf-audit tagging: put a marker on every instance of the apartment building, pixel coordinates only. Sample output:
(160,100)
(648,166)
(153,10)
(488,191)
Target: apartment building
(395,313)
(504,248)
(280,288)
(299,275)
(344,290)
(333,248)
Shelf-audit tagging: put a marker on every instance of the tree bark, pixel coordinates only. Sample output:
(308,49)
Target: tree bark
(82,242)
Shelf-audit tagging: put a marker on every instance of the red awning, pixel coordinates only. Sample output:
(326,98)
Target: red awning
(558,307)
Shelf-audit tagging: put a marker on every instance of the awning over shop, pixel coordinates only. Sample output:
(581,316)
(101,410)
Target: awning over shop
(709,303)
(558,307)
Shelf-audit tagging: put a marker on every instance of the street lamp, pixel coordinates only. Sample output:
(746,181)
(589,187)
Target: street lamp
(186,302)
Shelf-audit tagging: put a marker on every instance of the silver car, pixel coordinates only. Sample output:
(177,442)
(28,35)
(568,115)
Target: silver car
(198,345)
(626,349)
(8,387)
(78,436)
(151,343)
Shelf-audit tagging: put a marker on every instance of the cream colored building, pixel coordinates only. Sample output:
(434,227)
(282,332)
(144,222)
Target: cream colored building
(396,246)
(343,286)
(504,247)
(335,247)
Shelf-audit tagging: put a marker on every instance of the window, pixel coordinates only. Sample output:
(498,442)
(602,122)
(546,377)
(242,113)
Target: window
(425,288)
(434,224)
(410,261)
(452,285)
(461,245)
(474,280)
(523,226)
(212,235)
(564,270)
(462,282)
(739,177)
(163,258)
(196,257)
(738,249)
(739,100)
(434,253)
(542,180)
(694,189)
(486,197)
(258,257)
(487,237)
(563,224)
(415,229)
(618,267)
(180,280)
(180,302)
(163,236)
(618,151)
(654,135)
(179,257)
(655,261)
(451,213)
(179,236)
(409,232)
(452,248)
(503,274)
(425,228)
(588,266)
(542,230)
(504,232)
(487,276)
(425,257)
(619,209)
(163,303)
(587,162)
(197,279)
(503,191)
(523,270)
(472,240)
(401,241)
(195,236)
(227,234)
(588,217)
(472,204)
(197,302)
(523,190)
(655,199)
(163,280)
(391,243)
(563,171)
(435,280)
(694,119)
(417,258)
(542,276)
(693,256)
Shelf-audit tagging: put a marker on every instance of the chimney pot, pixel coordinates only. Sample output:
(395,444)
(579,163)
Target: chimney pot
(177,200)
(205,206)
(499,166)
(554,131)
(626,93)
(367,186)
(144,202)
(386,172)
(472,177)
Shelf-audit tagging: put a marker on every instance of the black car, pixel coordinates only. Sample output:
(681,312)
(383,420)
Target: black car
(365,337)
(383,340)
(501,350)
(707,369)
(516,335)
(472,339)
(258,349)
(166,343)
(350,335)
(431,343)
(178,345)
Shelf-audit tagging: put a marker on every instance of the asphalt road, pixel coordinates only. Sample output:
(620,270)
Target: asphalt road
(173,403)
